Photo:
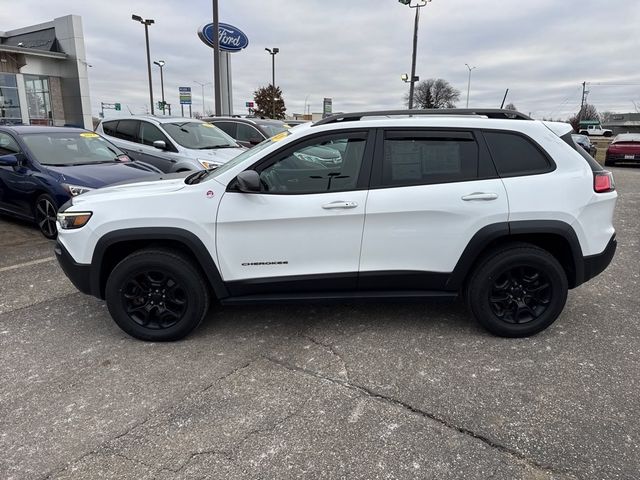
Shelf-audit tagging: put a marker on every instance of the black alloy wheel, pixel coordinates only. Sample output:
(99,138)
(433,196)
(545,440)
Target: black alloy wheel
(154,299)
(520,295)
(45,215)
(517,290)
(157,294)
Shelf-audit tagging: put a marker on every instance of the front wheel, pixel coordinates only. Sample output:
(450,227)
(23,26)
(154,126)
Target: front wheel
(45,215)
(608,134)
(157,295)
(518,291)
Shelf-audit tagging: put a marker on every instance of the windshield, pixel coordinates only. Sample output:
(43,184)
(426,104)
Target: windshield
(72,148)
(240,158)
(272,129)
(199,135)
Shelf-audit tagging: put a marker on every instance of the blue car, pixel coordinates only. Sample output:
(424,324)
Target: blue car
(41,168)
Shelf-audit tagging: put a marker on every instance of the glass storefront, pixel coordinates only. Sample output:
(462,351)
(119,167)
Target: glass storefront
(38,99)
(9,102)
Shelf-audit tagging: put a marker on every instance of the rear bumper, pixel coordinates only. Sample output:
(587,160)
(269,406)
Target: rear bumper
(595,264)
(79,274)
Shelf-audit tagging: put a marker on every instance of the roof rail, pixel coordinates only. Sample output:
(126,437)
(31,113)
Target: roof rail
(483,112)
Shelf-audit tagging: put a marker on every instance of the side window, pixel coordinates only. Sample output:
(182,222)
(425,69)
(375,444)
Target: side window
(8,145)
(150,133)
(247,133)
(317,166)
(109,128)
(515,155)
(128,130)
(428,157)
(227,127)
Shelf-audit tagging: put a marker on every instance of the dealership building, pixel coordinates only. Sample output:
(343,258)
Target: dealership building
(43,75)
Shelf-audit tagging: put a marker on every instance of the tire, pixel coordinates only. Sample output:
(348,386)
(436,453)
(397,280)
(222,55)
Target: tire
(157,295)
(608,134)
(530,306)
(584,132)
(44,212)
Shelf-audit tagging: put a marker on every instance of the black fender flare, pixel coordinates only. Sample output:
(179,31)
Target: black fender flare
(150,234)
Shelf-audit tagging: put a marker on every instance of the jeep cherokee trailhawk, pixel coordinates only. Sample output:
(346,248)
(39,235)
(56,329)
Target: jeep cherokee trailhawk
(487,204)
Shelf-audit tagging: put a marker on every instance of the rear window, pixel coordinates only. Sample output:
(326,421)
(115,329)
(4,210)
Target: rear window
(515,155)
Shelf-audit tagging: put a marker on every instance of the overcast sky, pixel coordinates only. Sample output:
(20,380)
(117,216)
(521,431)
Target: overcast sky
(355,50)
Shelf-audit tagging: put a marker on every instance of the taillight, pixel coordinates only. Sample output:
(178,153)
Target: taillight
(603,182)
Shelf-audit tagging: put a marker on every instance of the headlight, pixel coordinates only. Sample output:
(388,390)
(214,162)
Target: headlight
(208,164)
(75,190)
(73,220)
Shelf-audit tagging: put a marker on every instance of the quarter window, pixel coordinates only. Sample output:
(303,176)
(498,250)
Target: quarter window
(227,127)
(422,158)
(109,128)
(246,133)
(515,155)
(317,166)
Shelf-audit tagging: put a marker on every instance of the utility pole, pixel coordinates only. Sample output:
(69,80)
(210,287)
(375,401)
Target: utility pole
(412,80)
(584,93)
(273,54)
(216,60)
(202,85)
(146,23)
(161,65)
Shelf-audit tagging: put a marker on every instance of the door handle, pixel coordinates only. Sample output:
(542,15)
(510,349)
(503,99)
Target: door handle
(480,196)
(339,204)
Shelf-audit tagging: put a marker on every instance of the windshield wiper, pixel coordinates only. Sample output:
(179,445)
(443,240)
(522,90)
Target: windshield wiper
(197,177)
(215,147)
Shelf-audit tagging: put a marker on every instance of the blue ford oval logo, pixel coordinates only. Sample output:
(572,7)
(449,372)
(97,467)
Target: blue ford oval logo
(231,39)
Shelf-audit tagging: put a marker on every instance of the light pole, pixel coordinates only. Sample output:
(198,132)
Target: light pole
(146,22)
(469,83)
(202,85)
(273,54)
(412,80)
(216,60)
(160,63)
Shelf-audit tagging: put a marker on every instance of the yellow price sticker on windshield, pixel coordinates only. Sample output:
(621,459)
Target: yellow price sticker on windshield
(208,125)
(89,135)
(280,136)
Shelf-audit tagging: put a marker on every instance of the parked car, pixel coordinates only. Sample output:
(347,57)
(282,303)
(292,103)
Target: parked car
(480,205)
(625,148)
(251,131)
(41,168)
(593,128)
(585,143)
(169,143)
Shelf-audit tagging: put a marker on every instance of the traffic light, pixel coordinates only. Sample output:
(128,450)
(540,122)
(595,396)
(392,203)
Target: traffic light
(117,106)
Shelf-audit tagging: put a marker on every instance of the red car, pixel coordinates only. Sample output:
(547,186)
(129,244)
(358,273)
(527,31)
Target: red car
(624,148)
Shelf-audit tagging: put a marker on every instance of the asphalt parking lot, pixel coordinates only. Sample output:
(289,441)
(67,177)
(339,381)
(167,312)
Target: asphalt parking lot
(365,391)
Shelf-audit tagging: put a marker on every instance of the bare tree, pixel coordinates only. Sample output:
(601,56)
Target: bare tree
(588,112)
(434,93)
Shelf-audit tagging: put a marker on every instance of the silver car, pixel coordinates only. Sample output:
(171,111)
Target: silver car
(171,144)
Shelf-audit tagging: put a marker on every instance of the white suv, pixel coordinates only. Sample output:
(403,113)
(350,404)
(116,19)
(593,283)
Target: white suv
(171,144)
(487,204)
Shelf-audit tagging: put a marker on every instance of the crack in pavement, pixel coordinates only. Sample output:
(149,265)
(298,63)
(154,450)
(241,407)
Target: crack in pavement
(399,403)
(331,349)
(103,444)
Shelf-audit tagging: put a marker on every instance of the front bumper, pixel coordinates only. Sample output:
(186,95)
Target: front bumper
(595,264)
(79,274)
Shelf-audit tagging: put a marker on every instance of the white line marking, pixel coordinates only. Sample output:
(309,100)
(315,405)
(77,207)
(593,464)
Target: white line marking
(27,264)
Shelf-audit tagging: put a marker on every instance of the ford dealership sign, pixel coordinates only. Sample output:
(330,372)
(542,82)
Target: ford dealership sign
(232,39)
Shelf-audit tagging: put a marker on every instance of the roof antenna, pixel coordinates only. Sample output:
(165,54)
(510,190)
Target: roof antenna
(504,99)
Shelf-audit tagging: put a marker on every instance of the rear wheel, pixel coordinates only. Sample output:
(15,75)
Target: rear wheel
(45,213)
(518,291)
(157,295)
(608,134)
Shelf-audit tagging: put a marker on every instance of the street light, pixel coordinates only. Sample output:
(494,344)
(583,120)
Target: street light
(412,80)
(469,83)
(273,54)
(146,22)
(202,85)
(160,63)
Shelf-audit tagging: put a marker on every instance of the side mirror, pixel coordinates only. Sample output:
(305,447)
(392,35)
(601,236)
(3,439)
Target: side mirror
(9,161)
(160,144)
(248,181)
(255,140)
